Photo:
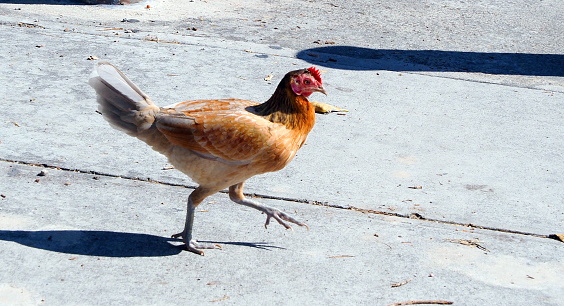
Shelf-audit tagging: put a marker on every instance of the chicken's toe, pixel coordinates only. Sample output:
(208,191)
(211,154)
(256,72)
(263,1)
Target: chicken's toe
(195,246)
(281,217)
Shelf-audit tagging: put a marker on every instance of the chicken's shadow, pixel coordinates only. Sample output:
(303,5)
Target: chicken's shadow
(95,243)
(256,245)
(109,244)
(61,2)
(46,2)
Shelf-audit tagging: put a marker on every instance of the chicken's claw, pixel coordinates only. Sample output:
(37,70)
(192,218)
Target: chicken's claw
(281,217)
(195,246)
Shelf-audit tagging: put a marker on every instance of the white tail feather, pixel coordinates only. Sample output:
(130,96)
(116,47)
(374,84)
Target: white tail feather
(120,101)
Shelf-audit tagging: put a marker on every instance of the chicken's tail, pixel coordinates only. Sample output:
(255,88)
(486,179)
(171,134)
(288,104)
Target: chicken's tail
(120,101)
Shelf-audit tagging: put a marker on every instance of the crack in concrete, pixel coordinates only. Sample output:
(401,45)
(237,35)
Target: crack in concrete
(415,216)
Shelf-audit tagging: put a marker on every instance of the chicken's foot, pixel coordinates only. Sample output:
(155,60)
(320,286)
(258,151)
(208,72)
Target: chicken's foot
(236,195)
(278,215)
(194,246)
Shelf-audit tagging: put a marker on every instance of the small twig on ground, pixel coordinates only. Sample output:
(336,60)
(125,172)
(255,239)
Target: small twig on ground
(469,242)
(340,256)
(225,297)
(394,285)
(422,302)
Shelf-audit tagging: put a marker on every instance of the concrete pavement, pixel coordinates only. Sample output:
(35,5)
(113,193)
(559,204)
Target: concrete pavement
(386,189)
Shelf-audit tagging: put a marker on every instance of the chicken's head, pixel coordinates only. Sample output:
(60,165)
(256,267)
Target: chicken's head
(307,81)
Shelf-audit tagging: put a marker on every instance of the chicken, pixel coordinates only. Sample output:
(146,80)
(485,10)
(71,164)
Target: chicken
(217,143)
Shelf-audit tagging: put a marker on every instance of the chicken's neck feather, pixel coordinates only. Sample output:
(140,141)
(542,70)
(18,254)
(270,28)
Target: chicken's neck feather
(288,108)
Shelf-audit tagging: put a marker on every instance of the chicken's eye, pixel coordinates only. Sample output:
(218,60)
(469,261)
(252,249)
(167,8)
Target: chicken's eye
(307,81)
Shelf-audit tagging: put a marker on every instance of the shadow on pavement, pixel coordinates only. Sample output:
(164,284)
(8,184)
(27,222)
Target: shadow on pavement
(95,243)
(357,58)
(70,2)
(256,245)
(109,244)
(53,2)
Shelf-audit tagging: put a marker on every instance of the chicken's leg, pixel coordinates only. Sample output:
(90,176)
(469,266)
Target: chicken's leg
(237,196)
(191,244)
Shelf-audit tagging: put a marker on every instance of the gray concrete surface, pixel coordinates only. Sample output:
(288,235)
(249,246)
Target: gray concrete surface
(462,99)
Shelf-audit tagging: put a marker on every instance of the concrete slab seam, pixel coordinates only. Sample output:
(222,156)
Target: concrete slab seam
(415,216)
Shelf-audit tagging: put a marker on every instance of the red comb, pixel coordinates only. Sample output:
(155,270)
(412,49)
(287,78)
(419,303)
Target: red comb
(315,73)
